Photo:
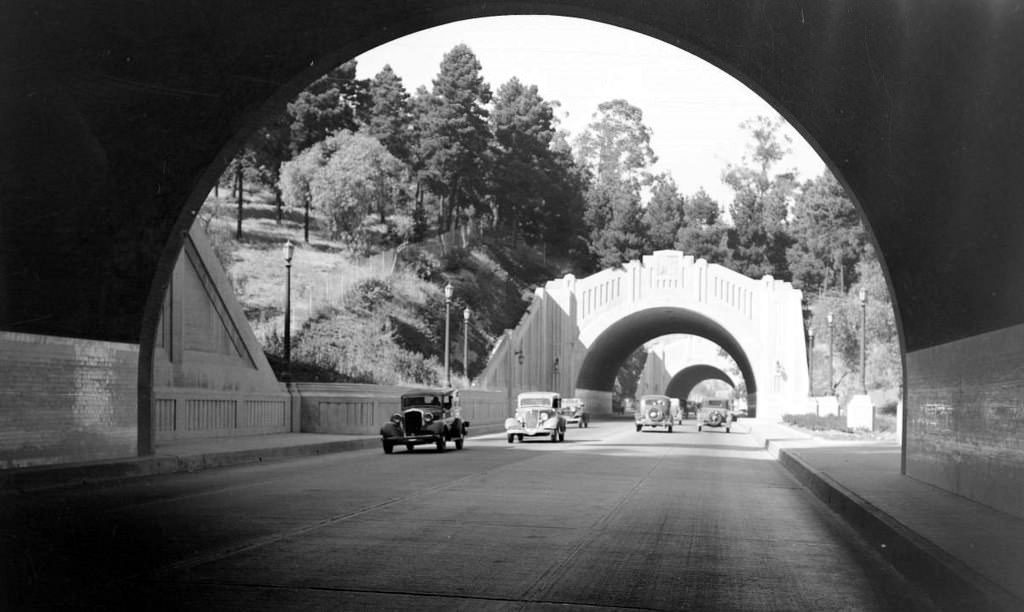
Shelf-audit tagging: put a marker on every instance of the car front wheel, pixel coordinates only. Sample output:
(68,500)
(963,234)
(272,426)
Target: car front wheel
(511,438)
(441,444)
(388,447)
(459,442)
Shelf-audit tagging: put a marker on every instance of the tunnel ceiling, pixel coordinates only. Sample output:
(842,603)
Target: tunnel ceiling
(685,380)
(117,118)
(615,344)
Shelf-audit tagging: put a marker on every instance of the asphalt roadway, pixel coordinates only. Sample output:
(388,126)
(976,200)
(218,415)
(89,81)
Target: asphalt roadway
(609,519)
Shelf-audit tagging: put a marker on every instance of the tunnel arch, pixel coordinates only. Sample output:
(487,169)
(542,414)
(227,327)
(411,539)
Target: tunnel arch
(115,115)
(611,348)
(684,381)
(327,60)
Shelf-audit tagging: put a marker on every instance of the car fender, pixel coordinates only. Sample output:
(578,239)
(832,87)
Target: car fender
(390,430)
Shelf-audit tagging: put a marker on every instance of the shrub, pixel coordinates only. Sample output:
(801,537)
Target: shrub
(817,423)
(421,262)
(369,295)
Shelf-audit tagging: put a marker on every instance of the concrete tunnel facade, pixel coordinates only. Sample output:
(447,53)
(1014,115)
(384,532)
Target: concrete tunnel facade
(118,119)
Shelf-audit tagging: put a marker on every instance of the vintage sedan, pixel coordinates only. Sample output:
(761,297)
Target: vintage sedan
(654,411)
(428,416)
(715,413)
(537,414)
(574,412)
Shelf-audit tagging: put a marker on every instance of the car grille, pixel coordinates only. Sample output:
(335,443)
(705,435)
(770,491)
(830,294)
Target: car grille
(413,421)
(530,419)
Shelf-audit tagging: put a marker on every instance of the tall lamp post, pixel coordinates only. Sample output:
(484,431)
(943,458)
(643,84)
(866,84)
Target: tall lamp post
(465,343)
(447,337)
(831,384)
(289,251)
(810,360)
(520,358)
(863,341)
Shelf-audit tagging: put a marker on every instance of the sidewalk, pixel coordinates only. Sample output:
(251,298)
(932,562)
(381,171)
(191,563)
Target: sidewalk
(967,555)
(194,455)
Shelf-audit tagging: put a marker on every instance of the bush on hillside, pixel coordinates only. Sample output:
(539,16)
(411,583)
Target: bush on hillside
(369,296)
(420,262)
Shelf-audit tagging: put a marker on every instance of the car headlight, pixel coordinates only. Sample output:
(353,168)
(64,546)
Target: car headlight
(544,416)
(427,418)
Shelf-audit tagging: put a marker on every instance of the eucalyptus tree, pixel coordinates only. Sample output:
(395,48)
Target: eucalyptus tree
(759,210)
(615,150)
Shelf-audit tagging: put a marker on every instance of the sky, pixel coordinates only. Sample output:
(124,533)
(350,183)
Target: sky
(693,108)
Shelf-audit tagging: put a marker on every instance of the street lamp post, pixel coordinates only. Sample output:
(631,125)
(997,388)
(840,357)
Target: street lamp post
(289,251)
(810,360)
(863,340)
(831,384)
(447,338)
(465,343)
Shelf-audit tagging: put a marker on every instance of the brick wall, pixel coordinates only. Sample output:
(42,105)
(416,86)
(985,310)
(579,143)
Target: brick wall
(66,400)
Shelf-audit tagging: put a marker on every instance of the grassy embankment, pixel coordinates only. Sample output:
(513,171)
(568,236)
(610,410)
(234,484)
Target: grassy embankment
(367,319)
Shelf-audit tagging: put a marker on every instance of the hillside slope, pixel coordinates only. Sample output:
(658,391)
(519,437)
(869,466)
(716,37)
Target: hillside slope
(377,319)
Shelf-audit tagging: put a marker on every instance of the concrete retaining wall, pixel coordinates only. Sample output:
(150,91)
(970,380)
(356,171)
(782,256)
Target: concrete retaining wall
(64,400)
(362,409)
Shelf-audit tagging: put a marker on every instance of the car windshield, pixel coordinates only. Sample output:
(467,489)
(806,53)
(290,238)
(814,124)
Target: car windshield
(419,401)
(535,402)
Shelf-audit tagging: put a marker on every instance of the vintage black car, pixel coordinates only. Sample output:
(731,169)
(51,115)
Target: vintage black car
(654,411)
(429,416)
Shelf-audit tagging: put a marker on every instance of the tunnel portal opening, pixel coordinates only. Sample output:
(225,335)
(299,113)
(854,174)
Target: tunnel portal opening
(613,346)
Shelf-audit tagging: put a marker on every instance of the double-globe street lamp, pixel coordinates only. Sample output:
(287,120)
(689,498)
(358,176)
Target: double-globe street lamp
(289,251)
(448,289)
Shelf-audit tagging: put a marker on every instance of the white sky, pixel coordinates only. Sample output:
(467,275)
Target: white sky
(693,108)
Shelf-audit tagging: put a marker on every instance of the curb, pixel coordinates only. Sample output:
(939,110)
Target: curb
(70,475)
(949,583)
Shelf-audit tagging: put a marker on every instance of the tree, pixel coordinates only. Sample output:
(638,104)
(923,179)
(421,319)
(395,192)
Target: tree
(296,178)
(703,232)
(454,135)
(522,125)
(390,117)
(884,367)
(359,178)
(615,150)
(829,237)
(759,238)
(617,144)
(665,213)
(335,101)
(614,215)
